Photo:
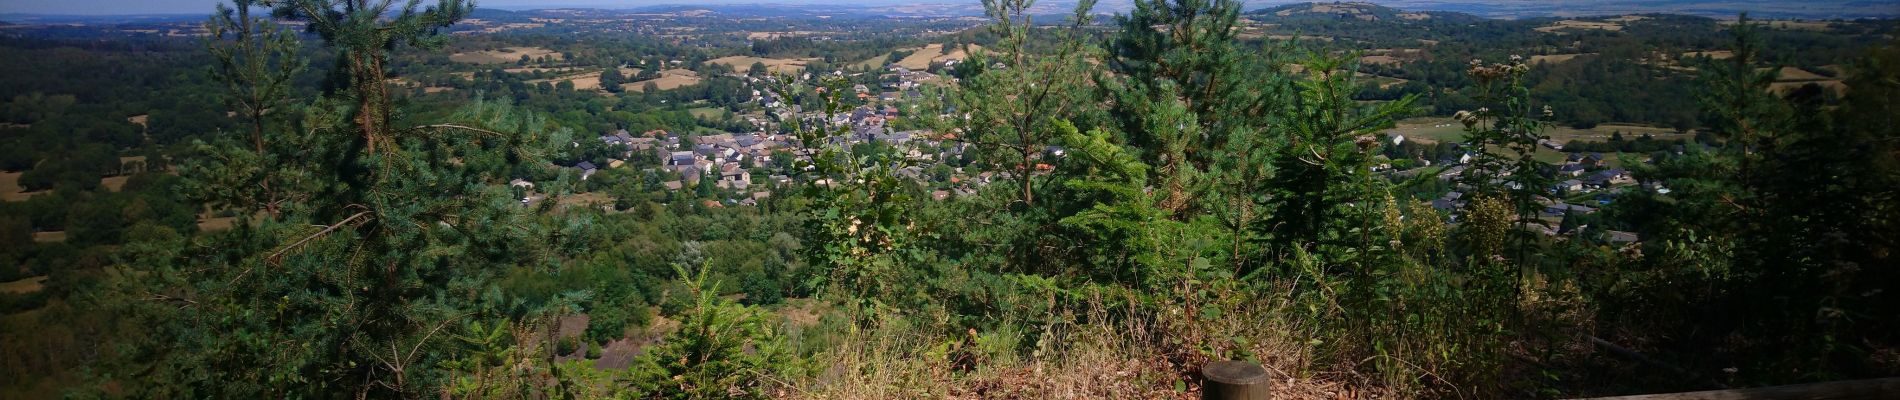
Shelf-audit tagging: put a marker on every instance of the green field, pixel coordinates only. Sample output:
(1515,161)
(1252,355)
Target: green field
(1437,129)
(707,112)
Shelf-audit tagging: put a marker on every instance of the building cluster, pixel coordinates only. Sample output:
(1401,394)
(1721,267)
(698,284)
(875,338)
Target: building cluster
(1580,175)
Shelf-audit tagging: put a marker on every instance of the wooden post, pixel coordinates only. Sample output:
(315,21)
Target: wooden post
(1234,380)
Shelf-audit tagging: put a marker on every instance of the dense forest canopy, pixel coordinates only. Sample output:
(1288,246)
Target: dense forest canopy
(402,199)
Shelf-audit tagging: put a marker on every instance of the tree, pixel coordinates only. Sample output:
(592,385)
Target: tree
(372,274)
(256,60)
(364,32)
(1185,55)
(1014,134)
(610,80)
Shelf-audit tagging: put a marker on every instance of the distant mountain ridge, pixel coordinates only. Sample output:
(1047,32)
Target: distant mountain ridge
(1359,11)
(1382,10)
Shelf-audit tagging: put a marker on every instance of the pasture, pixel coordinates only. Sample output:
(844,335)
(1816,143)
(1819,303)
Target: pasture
(775,65)
(1556,58)
(921,58)
(27,285)
(10,189)
(668,80)
(504,55)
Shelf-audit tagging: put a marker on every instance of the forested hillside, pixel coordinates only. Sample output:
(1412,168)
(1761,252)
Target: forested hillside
(383,199)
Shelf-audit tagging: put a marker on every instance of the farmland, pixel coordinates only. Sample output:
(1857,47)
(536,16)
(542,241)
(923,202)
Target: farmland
(775,65)
(504,55)
(668,80)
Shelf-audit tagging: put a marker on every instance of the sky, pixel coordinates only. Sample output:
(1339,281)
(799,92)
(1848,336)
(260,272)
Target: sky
(119,7)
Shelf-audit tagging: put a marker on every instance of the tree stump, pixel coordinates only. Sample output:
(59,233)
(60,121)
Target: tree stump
(1234,380)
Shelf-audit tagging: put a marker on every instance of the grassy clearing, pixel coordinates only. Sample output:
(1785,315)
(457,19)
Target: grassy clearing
(1783,87)
(1556,58)
(1713,55)
(776,65)
(707,112)
(10,187)
(1792,78)
(49,237)
(921,58)
(114,183)
(668,80)
(216,224)
(1438,129)
(584,80)
(27,285)
(504,55)
(1789,74)
(1382,60)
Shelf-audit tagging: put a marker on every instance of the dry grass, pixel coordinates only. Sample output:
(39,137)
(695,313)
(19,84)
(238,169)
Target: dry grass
(1792,74)
(10,189)
(114,183)
(27,285)
(504,55)
(215,224)
(1382,60)
(1784,87)
(1114,357)
(1555,58)
(1713,55)
(583,81)
(775,65)
(668,80)
(49,237)
(921,58)
(1792,78)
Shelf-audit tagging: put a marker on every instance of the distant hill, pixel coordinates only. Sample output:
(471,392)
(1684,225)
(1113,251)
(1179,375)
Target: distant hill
(1355,12)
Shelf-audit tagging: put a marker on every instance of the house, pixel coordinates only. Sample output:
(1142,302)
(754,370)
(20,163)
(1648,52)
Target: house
(587,169)
(673,185)
(940,195)
(1611,177)
(640,143)
(1561,209)
(1451,201)
(1570,185)
(1451,173)
(680,158)
(1593,160)
(520,183)
(1444,205)
(1571,170)
(1621,237)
